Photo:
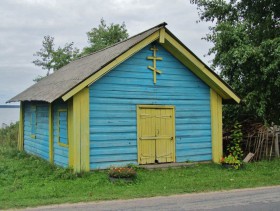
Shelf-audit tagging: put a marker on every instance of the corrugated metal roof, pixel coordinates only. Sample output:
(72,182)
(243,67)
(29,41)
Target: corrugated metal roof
(63,80)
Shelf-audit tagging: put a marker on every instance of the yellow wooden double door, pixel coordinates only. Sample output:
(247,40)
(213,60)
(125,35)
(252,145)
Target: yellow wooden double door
(156,134)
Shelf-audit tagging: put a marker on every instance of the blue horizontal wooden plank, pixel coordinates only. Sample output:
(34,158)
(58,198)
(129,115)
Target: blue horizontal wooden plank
(112,107)
(37,145)
(195,133)
(131,95)
(186,152)
(36,151)
(61,164)
(111,158)
(113,122)
(109,137)
(147,101)
(108,129)
(109,114)
(60,151)
(193,145)
(105,165)
(199,139)
(191,120)
(42,132)
(194,158)
(193,127)
(112,142)
(167,83)
(61,158)
(114,150)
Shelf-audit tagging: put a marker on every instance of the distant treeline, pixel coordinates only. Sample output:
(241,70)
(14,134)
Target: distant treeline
(9,106)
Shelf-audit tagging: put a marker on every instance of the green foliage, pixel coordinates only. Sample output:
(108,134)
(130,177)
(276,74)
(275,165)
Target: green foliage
(52,59)
(234,147)
(232,161)
(234,150)
(104,36)
(9,135)
(246,38)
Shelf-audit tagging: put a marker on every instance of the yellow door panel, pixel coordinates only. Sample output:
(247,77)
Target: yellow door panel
(146,143)
(156,140)
(164,141)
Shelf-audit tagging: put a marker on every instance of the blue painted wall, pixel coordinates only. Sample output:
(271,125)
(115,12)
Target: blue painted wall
(40,144)
(60,152)
(113,100)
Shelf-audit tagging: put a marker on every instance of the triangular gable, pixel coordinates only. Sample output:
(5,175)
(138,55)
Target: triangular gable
(177,49)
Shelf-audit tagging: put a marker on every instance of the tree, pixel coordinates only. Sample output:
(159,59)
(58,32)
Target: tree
(52,59)
(246,38)
(104,36)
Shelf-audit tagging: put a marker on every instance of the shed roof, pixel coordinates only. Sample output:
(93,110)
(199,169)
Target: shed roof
(79,73)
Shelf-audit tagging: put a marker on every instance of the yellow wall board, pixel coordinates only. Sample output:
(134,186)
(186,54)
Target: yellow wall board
(50,134)
(80,149)
(21,129)
(216,126)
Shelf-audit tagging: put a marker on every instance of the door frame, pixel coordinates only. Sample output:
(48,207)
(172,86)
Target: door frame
(138,107)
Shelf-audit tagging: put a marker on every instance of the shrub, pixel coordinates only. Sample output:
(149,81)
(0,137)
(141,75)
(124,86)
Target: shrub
(9,135)
(234,147)
(231,160)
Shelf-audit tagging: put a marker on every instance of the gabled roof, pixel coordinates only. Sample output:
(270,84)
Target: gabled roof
(82,72)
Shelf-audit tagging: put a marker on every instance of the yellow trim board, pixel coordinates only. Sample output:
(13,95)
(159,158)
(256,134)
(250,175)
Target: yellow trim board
(181,53)
(162,35)
(70,133)
(111,65)
(81,145)
(50,134)
(21,128)
(216,126)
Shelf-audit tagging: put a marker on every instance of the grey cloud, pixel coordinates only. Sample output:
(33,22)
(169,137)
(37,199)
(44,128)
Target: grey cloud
(24,23)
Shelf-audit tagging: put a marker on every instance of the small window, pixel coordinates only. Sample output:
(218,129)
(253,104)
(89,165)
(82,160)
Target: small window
(62,128)
(33,121)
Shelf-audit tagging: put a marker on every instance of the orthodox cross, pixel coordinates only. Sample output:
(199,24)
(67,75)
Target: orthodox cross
(154,58)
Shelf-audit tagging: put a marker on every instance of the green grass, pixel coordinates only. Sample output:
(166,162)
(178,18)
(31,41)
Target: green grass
(29,181)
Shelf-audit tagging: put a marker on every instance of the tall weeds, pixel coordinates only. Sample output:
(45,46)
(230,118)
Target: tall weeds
(9,135)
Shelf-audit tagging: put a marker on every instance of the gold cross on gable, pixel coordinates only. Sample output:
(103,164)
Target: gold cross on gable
(154,58)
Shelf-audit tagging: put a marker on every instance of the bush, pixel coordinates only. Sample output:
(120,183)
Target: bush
(9,135)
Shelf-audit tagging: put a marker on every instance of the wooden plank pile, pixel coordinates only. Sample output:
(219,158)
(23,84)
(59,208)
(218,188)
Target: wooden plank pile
(262,141)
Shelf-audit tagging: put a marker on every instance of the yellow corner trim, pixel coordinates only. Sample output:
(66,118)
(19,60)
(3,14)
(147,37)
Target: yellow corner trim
(214,82)
(21,129)
(216,126)
(50,134)
(111,65)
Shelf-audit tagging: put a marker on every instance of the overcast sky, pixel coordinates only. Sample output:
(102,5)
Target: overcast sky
(24,23)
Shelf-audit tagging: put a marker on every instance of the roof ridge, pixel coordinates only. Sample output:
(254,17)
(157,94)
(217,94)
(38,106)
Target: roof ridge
(163,24)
